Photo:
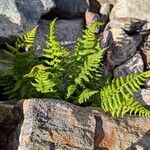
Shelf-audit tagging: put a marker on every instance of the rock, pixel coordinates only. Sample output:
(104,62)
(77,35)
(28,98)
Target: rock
(94,6)
(8,122)
(144,96)
(91,17)
(5,110)
(121,134)
(67,32)
(18,16)
(70,8)
(54,124)
(105,11)
(111,2)
(132,9)
(120,42)
(133,65)
(145,50)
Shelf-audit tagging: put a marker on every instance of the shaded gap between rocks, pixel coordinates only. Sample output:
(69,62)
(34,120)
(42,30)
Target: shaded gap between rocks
(99,134)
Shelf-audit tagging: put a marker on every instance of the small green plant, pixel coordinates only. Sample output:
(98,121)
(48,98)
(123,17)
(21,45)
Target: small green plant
(76,77)
(21,59)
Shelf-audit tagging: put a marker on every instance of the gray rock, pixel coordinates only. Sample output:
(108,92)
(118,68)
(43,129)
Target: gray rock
(67,32)
(18,16)
(105,11)
(144,96)
(71,8)
(53,124)
(122,45)
(132,9)
(133,65)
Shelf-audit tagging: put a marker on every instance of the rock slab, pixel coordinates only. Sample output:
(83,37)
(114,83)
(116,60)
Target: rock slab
(57,125)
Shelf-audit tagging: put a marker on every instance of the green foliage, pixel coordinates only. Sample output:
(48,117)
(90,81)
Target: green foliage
(117,96)
(54,53)
(20,61)
(85,67)
(76,77)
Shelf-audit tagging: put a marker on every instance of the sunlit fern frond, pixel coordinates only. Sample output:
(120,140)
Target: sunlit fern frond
(44,82)
(27,40)
(90,70)
(88,42)
(117,97)
(85,96)
(54,54)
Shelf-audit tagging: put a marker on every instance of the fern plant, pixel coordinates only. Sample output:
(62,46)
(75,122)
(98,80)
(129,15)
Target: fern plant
(117,96)
(20,60)
(76,77)
(48,76)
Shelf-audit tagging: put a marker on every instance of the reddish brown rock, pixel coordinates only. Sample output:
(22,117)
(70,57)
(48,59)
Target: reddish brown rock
(57,125)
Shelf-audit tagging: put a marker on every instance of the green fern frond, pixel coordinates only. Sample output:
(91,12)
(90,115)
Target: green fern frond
(88,42)
(54,53)
(86,61)
(85,95)
(19,63)
(26,41)
(44,82)
(117,97)
(89,71)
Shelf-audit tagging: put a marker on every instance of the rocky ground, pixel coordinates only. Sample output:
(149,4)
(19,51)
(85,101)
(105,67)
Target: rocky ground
(41,124)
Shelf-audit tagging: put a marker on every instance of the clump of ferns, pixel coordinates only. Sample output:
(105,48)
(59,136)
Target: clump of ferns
(19,62)
(77,77)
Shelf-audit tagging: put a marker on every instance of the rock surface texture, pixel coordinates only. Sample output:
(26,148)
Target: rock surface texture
(133,65)
(71,8)
(57,125)
(18,16)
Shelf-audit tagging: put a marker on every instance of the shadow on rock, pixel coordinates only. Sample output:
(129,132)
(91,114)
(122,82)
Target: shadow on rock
(99,135)
(143,143)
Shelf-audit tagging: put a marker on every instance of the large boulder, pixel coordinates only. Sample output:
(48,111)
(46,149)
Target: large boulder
(53,124)
(18,16)
(132,9)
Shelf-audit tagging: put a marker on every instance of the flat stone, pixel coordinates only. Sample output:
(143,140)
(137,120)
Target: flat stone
(133,65)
